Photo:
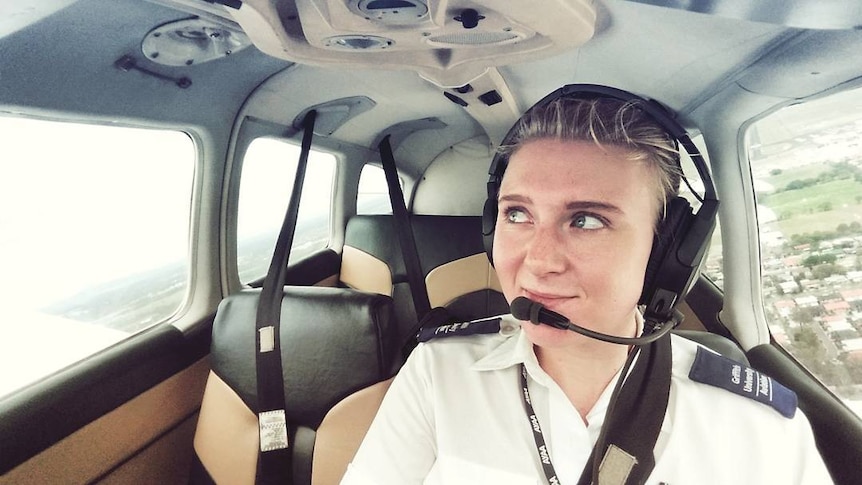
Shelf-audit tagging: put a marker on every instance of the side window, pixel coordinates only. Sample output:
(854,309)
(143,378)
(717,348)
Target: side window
(373,196)
(806,163)
(268,173)
(93,239)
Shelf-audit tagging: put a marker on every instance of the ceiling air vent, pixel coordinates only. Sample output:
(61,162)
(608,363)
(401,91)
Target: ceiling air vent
(473,38)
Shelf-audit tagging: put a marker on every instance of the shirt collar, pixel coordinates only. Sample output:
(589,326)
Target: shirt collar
(514,350)
(517,349)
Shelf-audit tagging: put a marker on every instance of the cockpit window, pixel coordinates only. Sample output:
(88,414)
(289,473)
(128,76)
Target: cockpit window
(94,224)
(806,163)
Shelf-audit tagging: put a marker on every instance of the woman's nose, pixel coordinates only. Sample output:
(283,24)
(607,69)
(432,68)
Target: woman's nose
(545,252)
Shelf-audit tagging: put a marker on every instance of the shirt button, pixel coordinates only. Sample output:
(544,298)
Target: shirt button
(508,327)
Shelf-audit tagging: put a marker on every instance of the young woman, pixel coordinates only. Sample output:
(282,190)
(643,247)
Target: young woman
(586,185)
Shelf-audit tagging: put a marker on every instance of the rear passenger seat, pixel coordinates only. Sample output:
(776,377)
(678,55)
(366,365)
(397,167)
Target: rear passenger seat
(457,272)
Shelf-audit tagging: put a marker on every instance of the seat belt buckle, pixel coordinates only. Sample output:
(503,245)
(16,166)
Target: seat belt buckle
(273,430)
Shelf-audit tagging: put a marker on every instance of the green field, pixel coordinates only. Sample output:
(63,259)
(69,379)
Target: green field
(786,176)
(819,221)
(800,211)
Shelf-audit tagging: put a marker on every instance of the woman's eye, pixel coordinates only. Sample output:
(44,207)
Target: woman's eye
(515,216)
(586,221)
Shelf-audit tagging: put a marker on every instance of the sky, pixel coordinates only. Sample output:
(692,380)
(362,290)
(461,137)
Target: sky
(83,204)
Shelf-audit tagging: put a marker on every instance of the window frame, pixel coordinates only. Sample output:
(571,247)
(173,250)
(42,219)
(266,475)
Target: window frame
(249,131)
(760,301)
(167,324)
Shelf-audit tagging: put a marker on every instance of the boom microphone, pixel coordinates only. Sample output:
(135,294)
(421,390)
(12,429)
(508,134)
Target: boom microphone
(525,309)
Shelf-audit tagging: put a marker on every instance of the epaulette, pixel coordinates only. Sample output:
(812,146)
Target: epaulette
(476,327)
(719,371)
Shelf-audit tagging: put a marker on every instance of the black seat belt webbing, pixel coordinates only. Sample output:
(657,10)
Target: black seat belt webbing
(634,418)
(405,234)
(274,459)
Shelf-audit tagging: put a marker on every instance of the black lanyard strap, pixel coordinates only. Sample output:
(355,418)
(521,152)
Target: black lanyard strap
(538,436)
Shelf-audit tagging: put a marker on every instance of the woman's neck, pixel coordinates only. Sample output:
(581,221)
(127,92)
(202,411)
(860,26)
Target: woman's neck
(583,371)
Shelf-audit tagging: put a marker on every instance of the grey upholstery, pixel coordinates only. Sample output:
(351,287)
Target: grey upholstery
(722,345)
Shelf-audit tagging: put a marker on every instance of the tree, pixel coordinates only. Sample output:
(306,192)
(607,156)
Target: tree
(806,315)
(797,184)
(854,368)
(818,259)
(826,270)
(810,351)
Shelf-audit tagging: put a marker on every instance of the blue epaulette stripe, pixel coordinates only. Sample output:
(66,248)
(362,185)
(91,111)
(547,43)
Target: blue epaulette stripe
(719,371)
(489,325)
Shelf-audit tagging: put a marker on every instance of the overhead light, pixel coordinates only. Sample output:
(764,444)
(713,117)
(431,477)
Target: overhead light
(358,42)
(192,41)
(391,12)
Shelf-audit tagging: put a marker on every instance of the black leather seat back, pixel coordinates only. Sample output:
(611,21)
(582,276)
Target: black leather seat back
(334,342)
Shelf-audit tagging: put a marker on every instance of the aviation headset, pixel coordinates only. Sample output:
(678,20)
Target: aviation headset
(682,236)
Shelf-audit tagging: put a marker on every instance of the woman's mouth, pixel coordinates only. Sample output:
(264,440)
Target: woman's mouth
(547,299)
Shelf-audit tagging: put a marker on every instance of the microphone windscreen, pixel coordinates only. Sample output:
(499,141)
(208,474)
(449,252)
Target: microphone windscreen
(522,308)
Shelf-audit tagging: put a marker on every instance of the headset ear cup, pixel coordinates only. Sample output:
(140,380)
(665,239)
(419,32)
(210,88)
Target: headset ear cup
(668,237)
(489,221)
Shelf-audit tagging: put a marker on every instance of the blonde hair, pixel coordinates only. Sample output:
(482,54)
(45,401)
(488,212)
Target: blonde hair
(608,121)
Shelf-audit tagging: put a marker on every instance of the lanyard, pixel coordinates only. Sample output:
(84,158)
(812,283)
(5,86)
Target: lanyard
(538,436)
(643,400)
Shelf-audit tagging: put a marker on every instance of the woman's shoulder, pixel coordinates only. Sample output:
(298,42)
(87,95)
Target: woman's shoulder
(451,330)
(702,370)
(460,343)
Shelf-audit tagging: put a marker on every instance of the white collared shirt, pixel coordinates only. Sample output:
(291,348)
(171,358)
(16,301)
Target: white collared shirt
(454,414)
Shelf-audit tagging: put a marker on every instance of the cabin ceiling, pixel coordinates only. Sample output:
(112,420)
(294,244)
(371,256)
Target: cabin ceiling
(65,56)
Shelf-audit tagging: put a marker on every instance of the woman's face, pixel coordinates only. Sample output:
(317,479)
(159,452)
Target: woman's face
(574,232)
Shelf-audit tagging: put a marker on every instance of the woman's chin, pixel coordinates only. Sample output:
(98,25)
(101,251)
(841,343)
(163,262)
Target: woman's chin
(548,336)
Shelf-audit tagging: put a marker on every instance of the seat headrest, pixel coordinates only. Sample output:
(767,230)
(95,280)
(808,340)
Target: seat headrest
(333,342)
(439,239)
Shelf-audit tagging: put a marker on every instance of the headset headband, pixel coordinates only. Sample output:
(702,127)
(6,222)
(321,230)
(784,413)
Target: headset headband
(653,109)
